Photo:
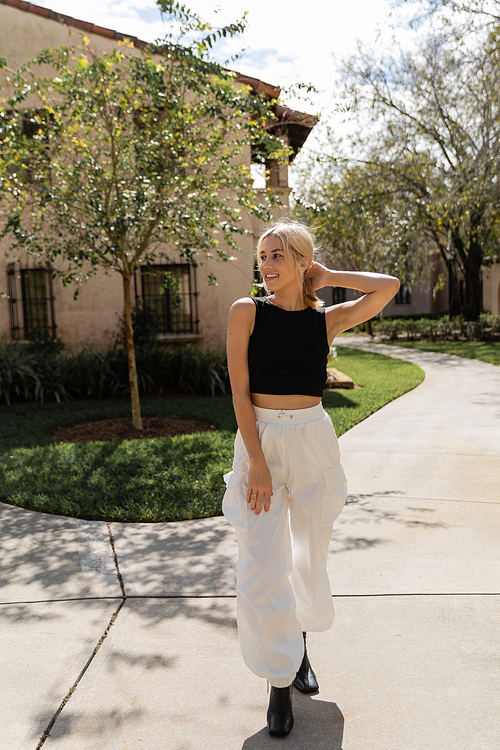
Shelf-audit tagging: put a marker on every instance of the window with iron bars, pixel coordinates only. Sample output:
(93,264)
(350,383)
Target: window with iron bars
(176,308)
(31,301)
(403,297)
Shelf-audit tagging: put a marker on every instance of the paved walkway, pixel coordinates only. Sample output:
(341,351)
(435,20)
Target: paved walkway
(412,660)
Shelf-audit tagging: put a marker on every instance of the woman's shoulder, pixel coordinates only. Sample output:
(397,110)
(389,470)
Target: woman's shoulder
(244,304)
(250,304)
(242,310)
(242,316)
(244,301)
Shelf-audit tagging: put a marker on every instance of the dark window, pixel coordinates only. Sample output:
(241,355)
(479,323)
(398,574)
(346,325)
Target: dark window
(31,301)
(338,295)
(258,285)
(30,128)
(403,297)
(176,304)
(267,172)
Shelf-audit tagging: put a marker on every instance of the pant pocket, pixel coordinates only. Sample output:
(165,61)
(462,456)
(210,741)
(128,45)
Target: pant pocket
(234,505)
(335,494)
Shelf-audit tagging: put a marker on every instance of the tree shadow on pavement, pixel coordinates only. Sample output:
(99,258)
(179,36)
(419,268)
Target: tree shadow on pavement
(368,508)
(48,558)
(318,724)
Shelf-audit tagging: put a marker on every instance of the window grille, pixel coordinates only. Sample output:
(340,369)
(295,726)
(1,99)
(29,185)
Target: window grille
(403,297)
(177,311)
(31,301)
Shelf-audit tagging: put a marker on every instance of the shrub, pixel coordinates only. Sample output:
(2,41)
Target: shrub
(19,376)
(43,343)
(41,375)
(486,328)
(390,329)
(184,370)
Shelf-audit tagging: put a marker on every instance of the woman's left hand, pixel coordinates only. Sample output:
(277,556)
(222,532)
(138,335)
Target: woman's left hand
(318,274)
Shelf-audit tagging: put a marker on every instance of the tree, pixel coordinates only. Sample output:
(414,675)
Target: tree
(463,14)
(125,153)
(432,122)
(362,221)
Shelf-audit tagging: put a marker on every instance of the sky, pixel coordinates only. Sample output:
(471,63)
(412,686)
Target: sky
(285,43)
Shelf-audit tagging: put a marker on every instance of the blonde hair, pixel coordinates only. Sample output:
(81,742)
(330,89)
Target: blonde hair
(298,249)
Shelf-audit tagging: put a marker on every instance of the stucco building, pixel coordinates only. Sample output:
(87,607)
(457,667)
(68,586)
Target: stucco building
(491,289)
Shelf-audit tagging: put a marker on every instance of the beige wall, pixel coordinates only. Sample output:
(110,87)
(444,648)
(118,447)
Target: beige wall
(491,289)
(423,297)
(23,35)
(92,319)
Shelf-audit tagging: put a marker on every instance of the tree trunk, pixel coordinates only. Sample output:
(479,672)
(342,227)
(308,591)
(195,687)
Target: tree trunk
(473,303)
(132,369)
(454,307)
(369,328)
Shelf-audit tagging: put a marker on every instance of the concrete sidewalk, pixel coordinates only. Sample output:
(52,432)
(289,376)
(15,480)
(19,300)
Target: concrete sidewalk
(412,661)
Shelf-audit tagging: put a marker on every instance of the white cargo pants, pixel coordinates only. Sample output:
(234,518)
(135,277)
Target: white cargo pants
(282,584)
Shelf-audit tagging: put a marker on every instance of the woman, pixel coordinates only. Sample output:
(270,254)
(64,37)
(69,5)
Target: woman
(287,485)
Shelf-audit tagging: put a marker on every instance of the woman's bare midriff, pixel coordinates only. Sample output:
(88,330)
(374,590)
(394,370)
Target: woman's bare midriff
(288,401)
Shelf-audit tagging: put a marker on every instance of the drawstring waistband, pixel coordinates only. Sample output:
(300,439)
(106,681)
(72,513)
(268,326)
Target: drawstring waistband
(292,416)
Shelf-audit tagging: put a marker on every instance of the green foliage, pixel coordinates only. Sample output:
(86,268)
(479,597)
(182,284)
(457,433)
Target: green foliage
(42,343)
(28,425)
(146,326)
(428,118)
(361,222)
(171,479)
(19,376)
(187,23)
(125,151)
(31,375)
(163,479)
(486,327)
(38,376)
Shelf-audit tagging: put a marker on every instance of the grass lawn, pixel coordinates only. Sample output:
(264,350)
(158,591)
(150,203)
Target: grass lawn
(161,479)
(487,351)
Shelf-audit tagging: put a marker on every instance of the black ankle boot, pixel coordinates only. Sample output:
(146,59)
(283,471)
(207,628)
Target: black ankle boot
(279,713)
(305,679)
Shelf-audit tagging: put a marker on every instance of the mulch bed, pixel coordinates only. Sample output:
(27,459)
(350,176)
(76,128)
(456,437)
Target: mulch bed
(123,429)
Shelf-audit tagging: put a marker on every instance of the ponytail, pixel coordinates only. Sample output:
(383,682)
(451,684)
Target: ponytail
(309,294)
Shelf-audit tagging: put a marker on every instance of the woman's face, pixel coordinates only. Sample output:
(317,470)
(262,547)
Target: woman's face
(273,267)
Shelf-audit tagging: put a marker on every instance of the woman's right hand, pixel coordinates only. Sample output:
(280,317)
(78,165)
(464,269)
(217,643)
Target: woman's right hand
(260,486)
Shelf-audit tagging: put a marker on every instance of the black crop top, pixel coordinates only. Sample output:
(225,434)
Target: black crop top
(288,350)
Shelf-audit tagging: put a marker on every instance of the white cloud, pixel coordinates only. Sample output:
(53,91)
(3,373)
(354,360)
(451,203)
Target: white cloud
(283,44)
(305,39)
